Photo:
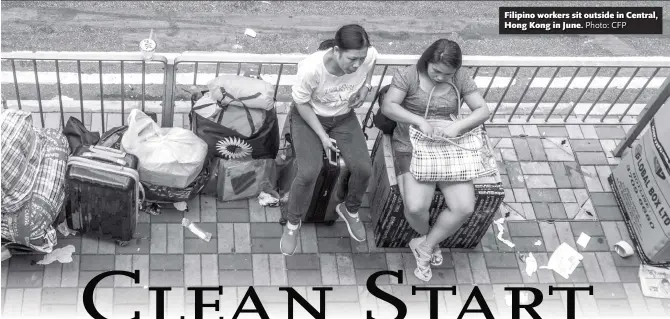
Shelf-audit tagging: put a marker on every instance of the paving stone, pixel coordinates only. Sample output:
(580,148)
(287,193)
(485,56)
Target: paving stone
(334,245)
(395,262)
(12,303)
(240,203)
(175,239)
(509,196)
(31,302)
(575,175)
(235,261)
(523,229)
(609,291)
(537,150)
(261,269)
(328,265)
(158,239)
(59,296)
(610,132)
(89,244)
(516,130)
(515,175)
(345,269)
(233,215)
(561,176)
(505,142)
(168,214)
(272,214)
(553,131)
(592,268)
(166,262)
(636,300)
(265,245)
(509,155)
(225,237)
(86,276)
(256,211)
(527,244)
(540,181)
(336,230)
(498,131)
(567,195)
(236,278)
(309,240)
(531,130)
(607,267)
(501,260)
(591,158)
(545,195)
(208,210)
(142,242)
(505,275)
(480,274)
(131,296)
(462,268)
(370,261)
(522,149)
(578,276)
(505,181)
(141,263)
(303,261)
(611,232)
(521,195)
(574,131)
(556,153)
(591,179)
(549,236)
(565,234)
(589,228)
(544,276)
(192,269)
(278,275)
(243,240)
(442,275)
(557,211)
(603,173)
(52,275)
(591,145)
(535,168)
(210,268)
(310,278)
(608,212)
(265,230)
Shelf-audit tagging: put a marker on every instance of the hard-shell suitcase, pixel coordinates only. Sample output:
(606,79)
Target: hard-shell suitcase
(105,193)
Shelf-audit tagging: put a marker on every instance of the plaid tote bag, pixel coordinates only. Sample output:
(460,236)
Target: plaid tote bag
(440,159)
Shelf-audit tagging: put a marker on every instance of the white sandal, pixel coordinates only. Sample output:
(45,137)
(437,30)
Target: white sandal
(436,259)
(423,260)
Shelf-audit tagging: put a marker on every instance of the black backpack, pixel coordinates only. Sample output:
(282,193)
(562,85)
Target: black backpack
(379,120)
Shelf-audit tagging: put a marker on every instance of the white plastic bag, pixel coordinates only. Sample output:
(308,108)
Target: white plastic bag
(171,157)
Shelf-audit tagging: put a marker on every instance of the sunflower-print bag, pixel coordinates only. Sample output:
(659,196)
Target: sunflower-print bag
(227,143)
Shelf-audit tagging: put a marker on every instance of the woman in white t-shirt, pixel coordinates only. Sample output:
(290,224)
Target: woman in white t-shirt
(331,84)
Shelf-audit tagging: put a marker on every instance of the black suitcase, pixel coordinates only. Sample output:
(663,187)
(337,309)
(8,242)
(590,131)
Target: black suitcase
(330,188)
(104,195)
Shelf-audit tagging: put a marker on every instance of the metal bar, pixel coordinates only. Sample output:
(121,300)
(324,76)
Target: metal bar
(601,94)
(281,68)
(260,66)
(659,99)
(144,66)
(195,74)
(537,69)
(474,75)
(638,94)
(168,98)
(379,87)
(218,68)
(102,99)
(82,56)
(81,94)
(16,85)
(625,87)
(239,68)
(553,76)
(574,75)
(60,96)
(586,88)
(509,84)
(39,95)
(491,83)
(123,98)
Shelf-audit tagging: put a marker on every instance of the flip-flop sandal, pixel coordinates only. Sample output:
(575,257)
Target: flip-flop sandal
(436,259)
(424,273)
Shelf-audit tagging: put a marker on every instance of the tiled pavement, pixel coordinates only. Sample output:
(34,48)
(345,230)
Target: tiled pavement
(555,182)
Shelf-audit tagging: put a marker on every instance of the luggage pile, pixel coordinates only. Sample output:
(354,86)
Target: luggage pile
(99,184)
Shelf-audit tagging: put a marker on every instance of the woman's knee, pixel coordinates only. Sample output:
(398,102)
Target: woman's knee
(416,208)
(463,207)
(362,168)
(307,173)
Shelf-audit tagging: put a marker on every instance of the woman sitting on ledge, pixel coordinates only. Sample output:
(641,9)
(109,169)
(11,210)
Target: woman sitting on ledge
(439,68)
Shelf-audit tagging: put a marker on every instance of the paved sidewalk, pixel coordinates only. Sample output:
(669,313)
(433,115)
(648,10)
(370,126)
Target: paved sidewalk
(556,188)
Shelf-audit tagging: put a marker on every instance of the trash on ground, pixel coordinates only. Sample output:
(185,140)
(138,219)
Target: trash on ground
(266,2)
(64,230)
(583,240)
(181,206)
(624,249)
(265,199)
(523,296)
(655,281)
(531,265)
(538,243)
(499,222)
(62,255)
(152,209)
(237,46)
(249,32)
(206,236)
(564,260)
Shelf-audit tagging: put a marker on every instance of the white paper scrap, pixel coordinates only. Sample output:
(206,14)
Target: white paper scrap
(583,240)
(62,255)
(181,206)
(538,243)
(531,265)
(564,260)
(64,230)
(249,32)
(501,229)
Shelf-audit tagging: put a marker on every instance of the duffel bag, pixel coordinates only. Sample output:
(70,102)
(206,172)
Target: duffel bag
(232,89)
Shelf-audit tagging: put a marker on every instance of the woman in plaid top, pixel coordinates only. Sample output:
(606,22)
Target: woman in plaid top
(405,102)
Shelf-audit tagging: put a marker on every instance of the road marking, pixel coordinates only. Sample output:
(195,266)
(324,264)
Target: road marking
(25,77)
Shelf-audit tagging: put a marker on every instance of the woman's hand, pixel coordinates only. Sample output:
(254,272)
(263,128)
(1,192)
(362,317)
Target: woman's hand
(426,128)
(359,97)
(328,144)
(450,131)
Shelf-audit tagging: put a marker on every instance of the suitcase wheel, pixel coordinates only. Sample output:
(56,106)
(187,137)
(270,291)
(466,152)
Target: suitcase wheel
(330,223)
(282,221)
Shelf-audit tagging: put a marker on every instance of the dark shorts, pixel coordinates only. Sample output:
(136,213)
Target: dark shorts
(401,161)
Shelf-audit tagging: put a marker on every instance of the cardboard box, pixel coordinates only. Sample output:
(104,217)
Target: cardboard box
(391,229)
(641,185)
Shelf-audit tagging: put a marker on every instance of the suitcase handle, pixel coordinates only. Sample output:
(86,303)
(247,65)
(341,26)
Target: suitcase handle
(111,151)
(104,157)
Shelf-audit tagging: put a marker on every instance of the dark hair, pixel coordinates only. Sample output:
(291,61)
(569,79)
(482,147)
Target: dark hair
(350,37)
(327,44)
(441,51)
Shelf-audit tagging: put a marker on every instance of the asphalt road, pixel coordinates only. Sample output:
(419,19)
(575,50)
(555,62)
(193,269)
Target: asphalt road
(405,27)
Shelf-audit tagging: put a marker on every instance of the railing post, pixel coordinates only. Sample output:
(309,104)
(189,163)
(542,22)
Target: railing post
(645,117)
(168,97)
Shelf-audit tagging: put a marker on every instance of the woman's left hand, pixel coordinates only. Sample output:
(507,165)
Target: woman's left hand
(359,97)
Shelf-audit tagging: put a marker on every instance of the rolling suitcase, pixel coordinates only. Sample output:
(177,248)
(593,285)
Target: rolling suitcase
(330,188)
(104,192)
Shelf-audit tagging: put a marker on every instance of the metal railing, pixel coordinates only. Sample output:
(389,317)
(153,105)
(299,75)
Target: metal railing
(519,90)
